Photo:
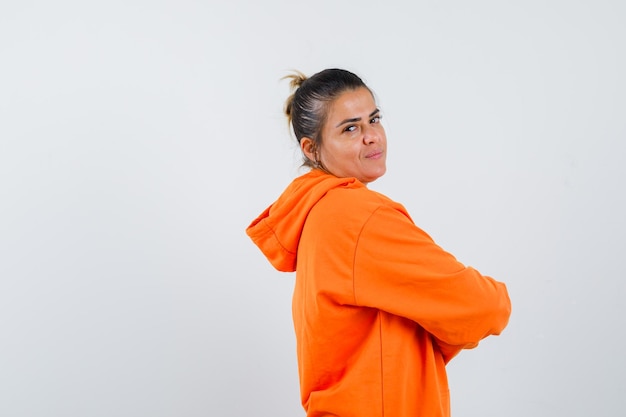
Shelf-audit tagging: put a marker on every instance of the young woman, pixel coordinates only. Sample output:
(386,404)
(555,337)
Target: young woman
(378,307)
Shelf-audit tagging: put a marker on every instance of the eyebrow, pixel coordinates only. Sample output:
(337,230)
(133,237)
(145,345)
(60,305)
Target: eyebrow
(357,119)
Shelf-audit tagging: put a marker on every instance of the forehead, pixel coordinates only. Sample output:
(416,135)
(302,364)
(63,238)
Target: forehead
(352,103)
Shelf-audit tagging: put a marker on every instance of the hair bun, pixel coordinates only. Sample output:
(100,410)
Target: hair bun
(296,79)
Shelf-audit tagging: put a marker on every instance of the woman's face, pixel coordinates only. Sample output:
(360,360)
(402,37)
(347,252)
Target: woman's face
(353,139)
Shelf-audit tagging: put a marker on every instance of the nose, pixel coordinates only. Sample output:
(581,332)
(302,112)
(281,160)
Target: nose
(370,135)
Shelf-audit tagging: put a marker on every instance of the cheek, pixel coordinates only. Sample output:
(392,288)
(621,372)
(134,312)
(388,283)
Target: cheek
(334,151)
(383,135)
(349,152)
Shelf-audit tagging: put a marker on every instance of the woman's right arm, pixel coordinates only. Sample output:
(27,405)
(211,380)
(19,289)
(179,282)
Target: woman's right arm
(398,268)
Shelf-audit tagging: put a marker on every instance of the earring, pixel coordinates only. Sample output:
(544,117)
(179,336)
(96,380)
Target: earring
(316,162)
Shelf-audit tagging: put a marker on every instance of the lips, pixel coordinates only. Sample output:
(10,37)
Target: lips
(375,154)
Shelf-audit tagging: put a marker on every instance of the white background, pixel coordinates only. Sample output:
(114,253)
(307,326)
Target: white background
(138,139)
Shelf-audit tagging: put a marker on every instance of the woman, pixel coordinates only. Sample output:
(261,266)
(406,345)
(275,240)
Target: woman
(378,307)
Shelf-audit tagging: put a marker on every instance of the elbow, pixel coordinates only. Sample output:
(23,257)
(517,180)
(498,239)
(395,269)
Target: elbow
(496,317)
(503,314)
(490,320)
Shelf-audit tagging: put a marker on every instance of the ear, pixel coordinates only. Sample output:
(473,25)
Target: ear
(308,148)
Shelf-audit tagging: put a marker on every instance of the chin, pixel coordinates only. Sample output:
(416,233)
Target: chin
(373,178)
(380,174)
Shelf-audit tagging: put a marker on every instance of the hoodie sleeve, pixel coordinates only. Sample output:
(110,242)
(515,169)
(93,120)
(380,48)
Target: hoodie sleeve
(399,269)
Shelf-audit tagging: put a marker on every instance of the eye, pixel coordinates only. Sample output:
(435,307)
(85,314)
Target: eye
(376,119)
(350,128)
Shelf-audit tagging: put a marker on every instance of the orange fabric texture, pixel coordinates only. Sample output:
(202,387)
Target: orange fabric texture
(378,307)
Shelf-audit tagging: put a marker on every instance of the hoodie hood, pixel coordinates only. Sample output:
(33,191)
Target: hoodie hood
(277,230)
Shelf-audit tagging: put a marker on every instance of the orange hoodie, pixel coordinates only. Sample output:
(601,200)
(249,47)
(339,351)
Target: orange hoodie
(378,307)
